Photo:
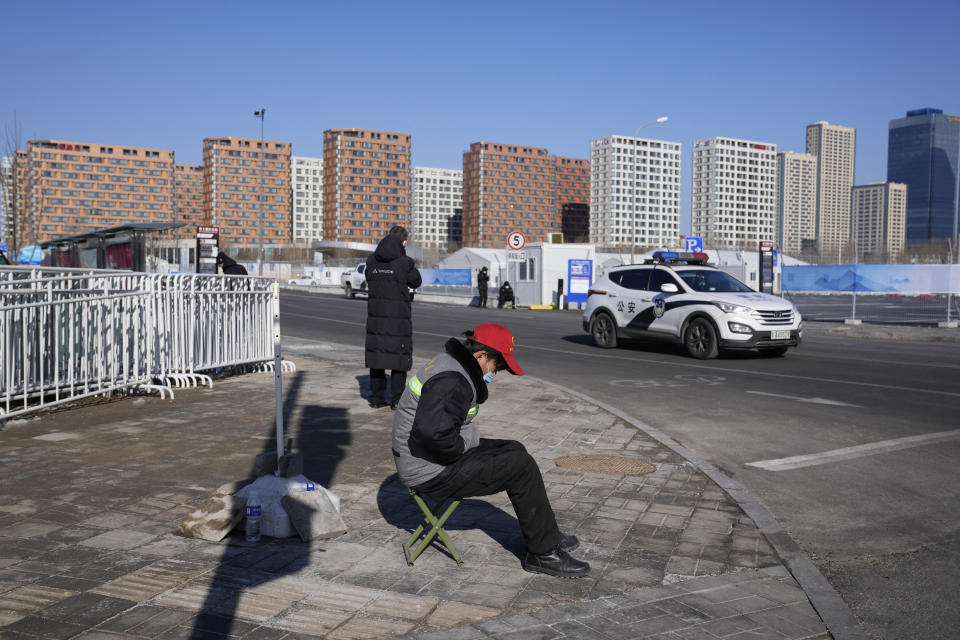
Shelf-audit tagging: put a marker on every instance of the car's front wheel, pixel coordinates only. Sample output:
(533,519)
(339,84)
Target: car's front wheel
(604,330)
(700,339)
(349,292)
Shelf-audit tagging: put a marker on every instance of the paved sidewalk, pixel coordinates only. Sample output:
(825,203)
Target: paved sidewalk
(91,497)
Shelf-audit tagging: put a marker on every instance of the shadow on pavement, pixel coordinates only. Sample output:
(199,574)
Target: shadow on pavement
(398,508)
(322,436)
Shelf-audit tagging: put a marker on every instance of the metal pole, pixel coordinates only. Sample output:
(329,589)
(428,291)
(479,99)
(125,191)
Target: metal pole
(856,261)
(278,370)
(950,289)
(634,190)
(261,157)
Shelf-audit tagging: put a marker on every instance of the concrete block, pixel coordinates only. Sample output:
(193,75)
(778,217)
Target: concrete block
(220,513)
(313,515)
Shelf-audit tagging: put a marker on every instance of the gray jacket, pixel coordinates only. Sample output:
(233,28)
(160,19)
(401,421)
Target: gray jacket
(432,426)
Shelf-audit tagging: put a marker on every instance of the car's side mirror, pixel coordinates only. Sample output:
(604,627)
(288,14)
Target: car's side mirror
(669,287)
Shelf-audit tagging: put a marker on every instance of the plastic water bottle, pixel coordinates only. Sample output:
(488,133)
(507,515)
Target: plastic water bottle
(253,518)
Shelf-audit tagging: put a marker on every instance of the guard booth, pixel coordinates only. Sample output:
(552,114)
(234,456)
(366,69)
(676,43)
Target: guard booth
(540,272)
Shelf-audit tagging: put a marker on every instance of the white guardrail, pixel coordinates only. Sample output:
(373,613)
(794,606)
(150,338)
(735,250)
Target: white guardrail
(67,334)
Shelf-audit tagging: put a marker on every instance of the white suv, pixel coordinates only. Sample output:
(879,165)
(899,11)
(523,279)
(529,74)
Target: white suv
(677,296)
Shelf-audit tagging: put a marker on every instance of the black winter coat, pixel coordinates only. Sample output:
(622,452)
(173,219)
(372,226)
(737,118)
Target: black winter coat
(483,278)
(390,276)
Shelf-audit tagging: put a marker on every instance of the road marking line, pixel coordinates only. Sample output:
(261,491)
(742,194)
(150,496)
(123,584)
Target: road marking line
(859,451)
(835,403)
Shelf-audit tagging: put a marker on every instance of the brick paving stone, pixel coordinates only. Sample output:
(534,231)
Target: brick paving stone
(85,609)
(47,628)
(311,620)
(370,628)
(451,614)
(400,605)
(22,601)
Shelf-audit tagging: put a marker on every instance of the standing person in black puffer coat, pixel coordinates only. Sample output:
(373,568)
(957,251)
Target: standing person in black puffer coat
(390,276)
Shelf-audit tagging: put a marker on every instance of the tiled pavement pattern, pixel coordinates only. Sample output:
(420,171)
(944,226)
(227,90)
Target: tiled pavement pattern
(90,499)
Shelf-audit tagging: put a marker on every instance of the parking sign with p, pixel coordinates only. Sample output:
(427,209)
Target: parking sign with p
(694,244)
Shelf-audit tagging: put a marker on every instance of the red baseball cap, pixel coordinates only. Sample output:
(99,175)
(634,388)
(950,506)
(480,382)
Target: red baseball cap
(499,337)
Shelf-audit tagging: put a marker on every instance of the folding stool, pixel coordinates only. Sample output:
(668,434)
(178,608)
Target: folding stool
(431,527)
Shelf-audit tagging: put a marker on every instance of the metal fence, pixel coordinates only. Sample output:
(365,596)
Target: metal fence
(69,334)
(881,293)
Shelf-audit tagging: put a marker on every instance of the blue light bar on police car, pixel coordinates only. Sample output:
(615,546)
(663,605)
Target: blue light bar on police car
(681,256)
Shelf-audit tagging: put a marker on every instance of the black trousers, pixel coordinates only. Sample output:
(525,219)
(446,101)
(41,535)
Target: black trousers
(378,385)
(502,465)
(482,302)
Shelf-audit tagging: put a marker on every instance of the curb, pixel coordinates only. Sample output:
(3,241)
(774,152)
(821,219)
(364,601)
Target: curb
(828,604)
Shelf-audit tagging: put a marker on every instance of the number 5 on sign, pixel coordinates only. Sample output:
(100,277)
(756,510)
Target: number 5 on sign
(516,241)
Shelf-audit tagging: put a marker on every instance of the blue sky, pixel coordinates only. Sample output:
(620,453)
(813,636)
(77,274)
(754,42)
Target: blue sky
(548,74)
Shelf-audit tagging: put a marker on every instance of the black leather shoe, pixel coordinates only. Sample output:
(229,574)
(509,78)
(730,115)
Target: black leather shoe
(557,563)
(568,542)
(377,404)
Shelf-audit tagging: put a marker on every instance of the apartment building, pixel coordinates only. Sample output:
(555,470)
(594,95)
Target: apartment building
(366,183)
(70,188)
(634,192)
(879,218)
(188,196)
(734,203)
(245,179)
(835,148)
(796,201)
(306,181)
(572,184)
(508,188)
(436,204)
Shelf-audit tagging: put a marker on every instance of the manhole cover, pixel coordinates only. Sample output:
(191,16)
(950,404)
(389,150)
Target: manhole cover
(617,465)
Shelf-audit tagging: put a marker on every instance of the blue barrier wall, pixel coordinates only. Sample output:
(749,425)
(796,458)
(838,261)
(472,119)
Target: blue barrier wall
(458,277)
(873,278)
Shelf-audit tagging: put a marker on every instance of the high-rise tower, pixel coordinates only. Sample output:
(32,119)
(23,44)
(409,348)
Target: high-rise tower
(922,153)
(835,147)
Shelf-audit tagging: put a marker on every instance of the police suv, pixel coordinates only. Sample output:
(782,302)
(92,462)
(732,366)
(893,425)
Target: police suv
(679,297)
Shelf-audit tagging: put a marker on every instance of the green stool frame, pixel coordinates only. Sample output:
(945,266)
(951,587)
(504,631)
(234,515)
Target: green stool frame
(431,527)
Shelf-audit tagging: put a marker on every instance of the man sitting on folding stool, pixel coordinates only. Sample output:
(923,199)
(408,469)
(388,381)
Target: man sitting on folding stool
(439,452)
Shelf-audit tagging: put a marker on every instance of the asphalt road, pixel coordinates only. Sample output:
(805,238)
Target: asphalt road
(882,521)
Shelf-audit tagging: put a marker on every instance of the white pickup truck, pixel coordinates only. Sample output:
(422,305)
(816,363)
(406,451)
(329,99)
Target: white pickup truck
(355,281)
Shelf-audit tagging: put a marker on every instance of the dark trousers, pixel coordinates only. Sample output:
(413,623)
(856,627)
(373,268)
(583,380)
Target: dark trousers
(482,302)
(378,385)
(502,465)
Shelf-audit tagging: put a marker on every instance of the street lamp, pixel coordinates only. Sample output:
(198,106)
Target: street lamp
(633,197)
(261,157)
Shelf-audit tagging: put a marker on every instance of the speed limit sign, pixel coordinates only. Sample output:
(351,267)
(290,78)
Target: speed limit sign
(516,241)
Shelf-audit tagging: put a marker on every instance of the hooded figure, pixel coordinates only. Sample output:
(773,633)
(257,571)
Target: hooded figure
(483,279)
(389,345)
(229,266)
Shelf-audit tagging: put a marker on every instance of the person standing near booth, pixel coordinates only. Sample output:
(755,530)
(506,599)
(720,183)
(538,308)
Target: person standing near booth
(483,279)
